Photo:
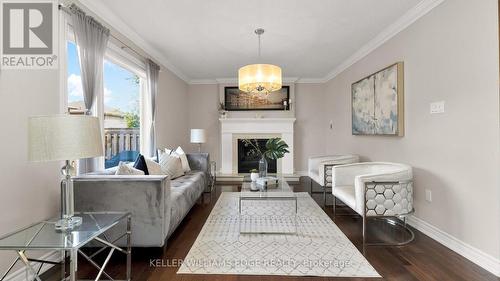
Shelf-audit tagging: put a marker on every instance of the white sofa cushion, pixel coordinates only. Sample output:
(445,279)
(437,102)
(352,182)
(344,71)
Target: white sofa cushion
(171,165)
(184,160)
(126,169)
(153,167)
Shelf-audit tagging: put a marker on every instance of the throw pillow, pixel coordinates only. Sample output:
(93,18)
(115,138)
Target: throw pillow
(184,160)
(124,169)
(160,151)
(171,165)
(140,164)
(153,167)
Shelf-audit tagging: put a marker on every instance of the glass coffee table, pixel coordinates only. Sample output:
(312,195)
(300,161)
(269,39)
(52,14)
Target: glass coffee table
(43,236)
(272,210)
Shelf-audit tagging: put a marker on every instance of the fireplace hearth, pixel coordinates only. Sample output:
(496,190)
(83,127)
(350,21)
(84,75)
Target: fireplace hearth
(248,160)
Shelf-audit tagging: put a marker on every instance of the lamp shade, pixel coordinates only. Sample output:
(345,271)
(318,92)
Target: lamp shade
(259,78)
(198,136)
(64,137)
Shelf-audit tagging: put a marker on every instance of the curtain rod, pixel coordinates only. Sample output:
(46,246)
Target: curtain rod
(124,46)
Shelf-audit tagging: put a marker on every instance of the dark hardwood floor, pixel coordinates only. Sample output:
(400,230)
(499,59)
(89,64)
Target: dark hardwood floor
(423,259)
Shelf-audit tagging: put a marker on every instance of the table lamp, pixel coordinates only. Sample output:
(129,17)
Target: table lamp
(198,136)
(64,138)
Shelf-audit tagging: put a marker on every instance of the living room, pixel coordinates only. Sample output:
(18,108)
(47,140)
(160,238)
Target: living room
(372,150)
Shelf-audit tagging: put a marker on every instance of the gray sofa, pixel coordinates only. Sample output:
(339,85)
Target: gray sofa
(158,204)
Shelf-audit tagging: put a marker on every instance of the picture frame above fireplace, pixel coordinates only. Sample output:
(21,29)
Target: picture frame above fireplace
(237,100)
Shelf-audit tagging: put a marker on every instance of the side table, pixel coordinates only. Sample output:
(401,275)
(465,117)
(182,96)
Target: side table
(42,236)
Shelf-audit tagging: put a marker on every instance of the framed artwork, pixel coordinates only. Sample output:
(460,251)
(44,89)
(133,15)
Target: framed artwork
(378,101)
(236,100)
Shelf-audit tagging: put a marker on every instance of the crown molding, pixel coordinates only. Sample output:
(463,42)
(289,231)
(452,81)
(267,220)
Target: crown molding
(310,81)
(117,23)
(412,15)
(392,30)
(288,80)
(203,82)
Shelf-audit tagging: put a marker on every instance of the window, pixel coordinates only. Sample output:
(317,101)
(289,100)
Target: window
(75,92)
(121,114)
(120,108)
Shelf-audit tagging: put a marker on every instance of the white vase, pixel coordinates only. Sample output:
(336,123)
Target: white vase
(254,176)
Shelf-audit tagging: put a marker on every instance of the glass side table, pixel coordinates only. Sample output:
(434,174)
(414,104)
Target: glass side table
(43,236)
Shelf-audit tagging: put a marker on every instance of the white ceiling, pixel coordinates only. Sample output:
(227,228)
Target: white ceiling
(210,39)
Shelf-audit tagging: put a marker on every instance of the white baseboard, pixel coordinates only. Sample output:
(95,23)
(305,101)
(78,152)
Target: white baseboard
(20,274)
(471,253)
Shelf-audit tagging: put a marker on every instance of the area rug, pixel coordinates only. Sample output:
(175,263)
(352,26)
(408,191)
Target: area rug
(317,248)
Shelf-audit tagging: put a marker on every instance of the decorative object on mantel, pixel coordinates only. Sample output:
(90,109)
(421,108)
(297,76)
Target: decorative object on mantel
(254,174)
(259,78)
(222,110)
(237,100)
(65,138)
(198,136)
(276,148)
(378,103)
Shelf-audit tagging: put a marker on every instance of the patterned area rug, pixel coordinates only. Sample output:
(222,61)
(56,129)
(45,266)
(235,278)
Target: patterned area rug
(317,248)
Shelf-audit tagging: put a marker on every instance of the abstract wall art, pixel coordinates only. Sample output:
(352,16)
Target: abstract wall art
(378,101)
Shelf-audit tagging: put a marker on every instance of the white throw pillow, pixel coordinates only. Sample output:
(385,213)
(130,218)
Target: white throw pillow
(184,160)
(153,167)
(125,169)
(171,165)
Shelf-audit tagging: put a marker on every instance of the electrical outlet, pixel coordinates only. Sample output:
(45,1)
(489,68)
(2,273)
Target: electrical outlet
(437,107)
(428,195)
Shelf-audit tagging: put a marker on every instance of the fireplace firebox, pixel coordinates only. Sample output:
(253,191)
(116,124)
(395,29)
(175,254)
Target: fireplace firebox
(248,160)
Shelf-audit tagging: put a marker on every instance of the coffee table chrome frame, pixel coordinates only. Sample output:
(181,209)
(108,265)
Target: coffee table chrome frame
(73,255)
(267,198)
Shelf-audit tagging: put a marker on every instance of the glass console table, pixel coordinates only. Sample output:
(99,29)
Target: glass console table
(43,236)
(273,210)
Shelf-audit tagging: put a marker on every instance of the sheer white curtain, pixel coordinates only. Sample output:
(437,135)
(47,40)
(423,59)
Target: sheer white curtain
(92,39)
(152,75)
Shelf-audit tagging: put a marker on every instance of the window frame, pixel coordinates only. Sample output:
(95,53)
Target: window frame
(116,55)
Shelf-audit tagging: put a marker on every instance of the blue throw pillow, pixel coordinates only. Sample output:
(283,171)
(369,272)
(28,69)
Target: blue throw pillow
(140,164)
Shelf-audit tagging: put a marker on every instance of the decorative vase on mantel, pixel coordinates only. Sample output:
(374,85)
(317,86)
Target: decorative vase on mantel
(262,167)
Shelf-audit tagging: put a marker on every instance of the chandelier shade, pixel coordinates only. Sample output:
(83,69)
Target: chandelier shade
(259,78)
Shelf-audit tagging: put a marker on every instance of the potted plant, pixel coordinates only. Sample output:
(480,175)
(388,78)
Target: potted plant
(222,110)
(276,148)
(254,174)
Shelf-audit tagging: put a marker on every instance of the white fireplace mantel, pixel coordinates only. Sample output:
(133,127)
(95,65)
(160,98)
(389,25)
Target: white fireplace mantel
(233,129)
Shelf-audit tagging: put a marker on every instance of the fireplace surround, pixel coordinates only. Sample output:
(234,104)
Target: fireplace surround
(233,129)
(248,161)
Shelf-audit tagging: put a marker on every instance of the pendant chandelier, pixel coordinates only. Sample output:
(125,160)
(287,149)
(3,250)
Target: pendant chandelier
(259,78)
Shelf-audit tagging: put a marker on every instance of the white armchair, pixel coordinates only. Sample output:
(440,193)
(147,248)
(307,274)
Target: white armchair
(320,169)
(375,189)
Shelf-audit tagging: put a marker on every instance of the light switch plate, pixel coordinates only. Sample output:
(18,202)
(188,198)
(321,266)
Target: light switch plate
(428,195)
(437,107)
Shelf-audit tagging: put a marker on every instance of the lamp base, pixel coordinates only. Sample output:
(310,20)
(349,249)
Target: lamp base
(68,223)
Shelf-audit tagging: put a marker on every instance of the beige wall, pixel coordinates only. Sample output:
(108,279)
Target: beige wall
(451,54)
(28,191)
(203,114)
(309,126)
(172,111)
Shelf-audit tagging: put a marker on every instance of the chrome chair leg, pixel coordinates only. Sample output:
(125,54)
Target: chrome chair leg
(324,197)
(334,205)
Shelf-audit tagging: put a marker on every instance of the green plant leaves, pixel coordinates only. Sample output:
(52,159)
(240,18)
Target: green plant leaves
(276,148)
